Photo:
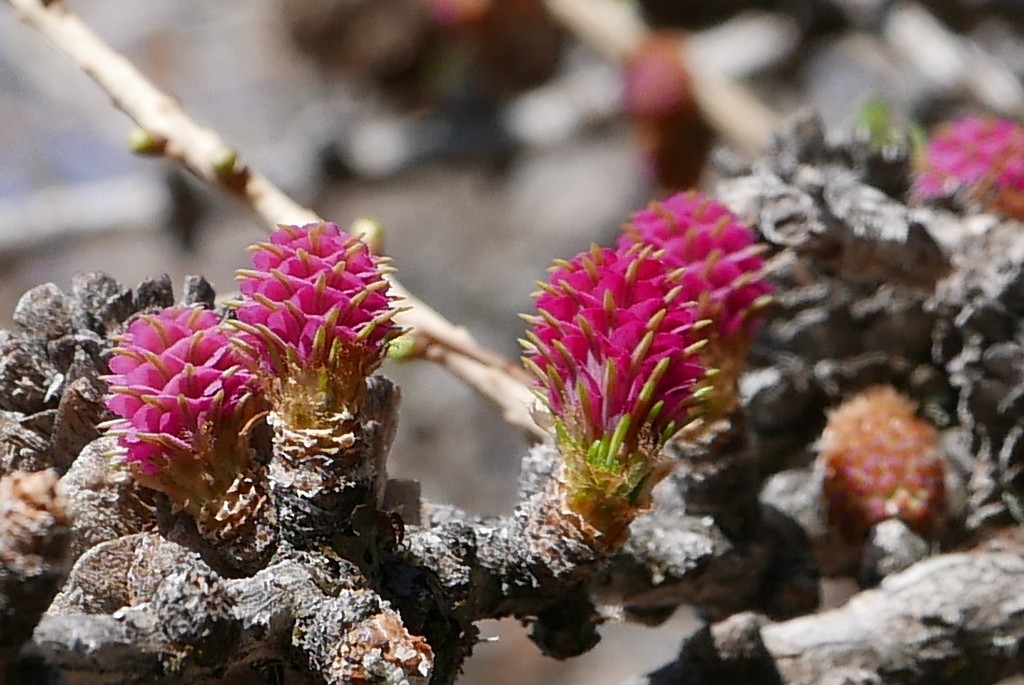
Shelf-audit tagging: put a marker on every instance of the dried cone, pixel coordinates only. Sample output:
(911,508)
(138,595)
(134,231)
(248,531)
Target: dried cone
(980,159)
(721,272)
(673,137)
(34,523)
(514,44)
(520,45)
(34,538)
(380,41)
(614,348)
(316,318)
(881,461)
(187,406)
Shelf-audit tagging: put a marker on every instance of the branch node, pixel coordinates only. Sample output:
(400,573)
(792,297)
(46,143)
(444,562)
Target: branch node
(144,142)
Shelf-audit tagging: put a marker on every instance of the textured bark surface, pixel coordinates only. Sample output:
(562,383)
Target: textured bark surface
(956,618)
(736,531)
(380,601)
(851,314)
(33,558)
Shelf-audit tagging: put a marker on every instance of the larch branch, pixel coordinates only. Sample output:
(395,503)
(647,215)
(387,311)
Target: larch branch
(167,130)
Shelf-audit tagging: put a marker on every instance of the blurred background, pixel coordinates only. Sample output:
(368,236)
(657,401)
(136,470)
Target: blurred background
(485,136)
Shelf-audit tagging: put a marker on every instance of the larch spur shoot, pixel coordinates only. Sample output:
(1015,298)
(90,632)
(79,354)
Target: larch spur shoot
(315,321)
(316,317)
(615,353)
(186,405)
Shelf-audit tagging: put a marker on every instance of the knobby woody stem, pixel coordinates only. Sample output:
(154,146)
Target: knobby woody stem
(617,32)
(168,130)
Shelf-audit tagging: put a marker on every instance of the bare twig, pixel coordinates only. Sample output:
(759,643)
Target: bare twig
(168,131)
(614,30)
(487,373)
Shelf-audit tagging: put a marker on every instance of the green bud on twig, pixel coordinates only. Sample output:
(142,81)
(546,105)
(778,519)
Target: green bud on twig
(143,142)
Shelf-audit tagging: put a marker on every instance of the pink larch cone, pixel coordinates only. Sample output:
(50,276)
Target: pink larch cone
(672,134)
(881,461)
(187,405)
(614,348)
(315,321)
(722,273)
(980,158)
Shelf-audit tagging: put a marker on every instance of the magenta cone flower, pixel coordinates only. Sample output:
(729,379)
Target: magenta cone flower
(614,349)
(315,293)
(980,156)
(184,402)
(719,252)
(316,317)
(721,264)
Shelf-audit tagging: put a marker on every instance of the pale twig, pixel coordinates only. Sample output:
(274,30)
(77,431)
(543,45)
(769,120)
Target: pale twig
(168,131)
(617,32)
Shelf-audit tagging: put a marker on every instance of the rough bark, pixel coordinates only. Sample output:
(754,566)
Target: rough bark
(953,619)
(408,595)
(33,557)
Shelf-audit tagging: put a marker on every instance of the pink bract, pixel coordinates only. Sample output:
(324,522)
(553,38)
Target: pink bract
(174,378)
(980,155)
(313,290)
(612,341)
(716,250)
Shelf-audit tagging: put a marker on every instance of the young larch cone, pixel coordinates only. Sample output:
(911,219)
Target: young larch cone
(722,273)
(981,158)
(316,317)
(881,461)
(187,406)
(672,134)
(614,348)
